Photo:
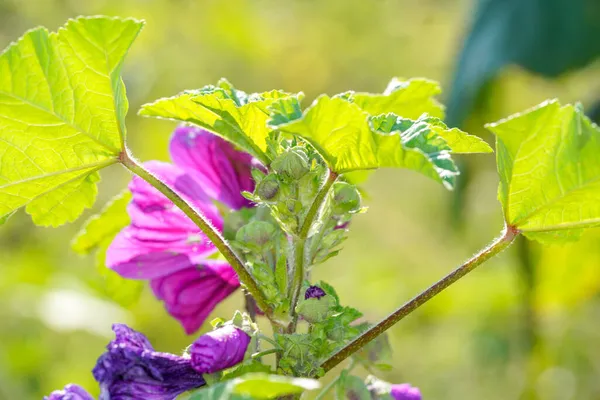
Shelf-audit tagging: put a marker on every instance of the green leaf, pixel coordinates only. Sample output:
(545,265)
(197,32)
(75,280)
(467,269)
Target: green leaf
(219,391)
(253,386)
(549,164)
(408,99)
(234,115)
(265,386)
(62,116)
(96,235)
(104,225)
(459,142)
(349,140)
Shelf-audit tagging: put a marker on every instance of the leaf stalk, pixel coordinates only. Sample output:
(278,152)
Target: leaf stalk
(498,245)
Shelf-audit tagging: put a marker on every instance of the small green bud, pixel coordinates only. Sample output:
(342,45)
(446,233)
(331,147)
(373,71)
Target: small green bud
(346,198)
(268,188)
(255,234)
(316,305)
(292,164)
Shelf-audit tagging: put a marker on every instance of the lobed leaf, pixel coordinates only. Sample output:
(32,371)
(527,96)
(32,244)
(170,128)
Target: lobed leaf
(408,99)
(62,112)
(234,115)
(350,140)
(549,164)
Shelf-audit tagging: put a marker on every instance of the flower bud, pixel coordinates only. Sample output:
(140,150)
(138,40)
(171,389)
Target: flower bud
(314,292)
(70,392)
(268,188)
(292,164)
(255,234)
(316,305)
(220,349)
(346,198)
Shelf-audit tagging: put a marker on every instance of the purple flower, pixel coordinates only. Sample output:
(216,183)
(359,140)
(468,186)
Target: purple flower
(163,245)
(314,292)
(404,391)
(70,392)
(222,348)
(132,370)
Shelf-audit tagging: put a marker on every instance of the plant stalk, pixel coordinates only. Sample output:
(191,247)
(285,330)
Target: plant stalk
(498,245)
(313,211)
(299,244)
(205,226)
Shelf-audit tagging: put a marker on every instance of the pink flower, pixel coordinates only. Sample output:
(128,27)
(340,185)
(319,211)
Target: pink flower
(163,245)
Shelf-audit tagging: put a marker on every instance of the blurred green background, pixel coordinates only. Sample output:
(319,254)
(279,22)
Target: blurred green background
(524,326)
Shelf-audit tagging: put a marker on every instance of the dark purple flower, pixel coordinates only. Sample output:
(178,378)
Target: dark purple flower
(404,391)
(70,392)
(314,292)
(163,245)
(132,370)
(222,348)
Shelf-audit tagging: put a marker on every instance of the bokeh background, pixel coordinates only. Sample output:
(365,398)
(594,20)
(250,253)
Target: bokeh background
(524,326)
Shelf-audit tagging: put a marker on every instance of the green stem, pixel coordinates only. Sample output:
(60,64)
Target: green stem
(299,244)
(313,211)
(265,353)
(499,244)
(205,226)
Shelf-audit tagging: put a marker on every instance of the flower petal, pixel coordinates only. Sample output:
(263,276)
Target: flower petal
(222,348)
(70,392)
(222,171)
(130,369)
(191,294)
(161,238)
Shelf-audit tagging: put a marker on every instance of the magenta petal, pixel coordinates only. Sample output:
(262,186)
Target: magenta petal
(222,171)
(149,199)
(161,238)
(191,294)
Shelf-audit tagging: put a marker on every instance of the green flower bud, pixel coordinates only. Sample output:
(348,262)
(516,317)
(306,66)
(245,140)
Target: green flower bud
(257,234)
(316,305)
(268,188)
(292,164)
(346,198)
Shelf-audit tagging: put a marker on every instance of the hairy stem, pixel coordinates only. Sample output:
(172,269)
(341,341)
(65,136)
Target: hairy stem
(205,226)
(491,250)
(299,244)
(313,211)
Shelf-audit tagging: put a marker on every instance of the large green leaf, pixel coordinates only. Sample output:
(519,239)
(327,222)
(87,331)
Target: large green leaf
(95,236)
(232,114)
(408,99)
(62,111)
(549,165)
(253,386)
(349,139)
